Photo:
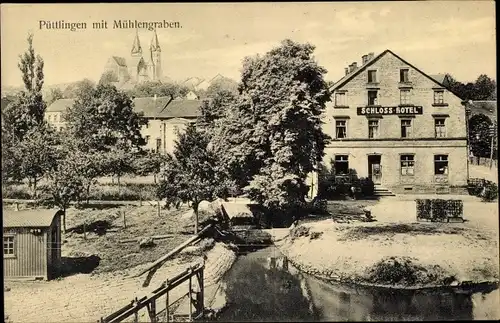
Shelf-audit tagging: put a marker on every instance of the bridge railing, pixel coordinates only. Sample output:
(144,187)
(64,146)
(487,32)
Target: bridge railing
(150,302)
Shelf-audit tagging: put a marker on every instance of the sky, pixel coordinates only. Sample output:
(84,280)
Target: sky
(456,37)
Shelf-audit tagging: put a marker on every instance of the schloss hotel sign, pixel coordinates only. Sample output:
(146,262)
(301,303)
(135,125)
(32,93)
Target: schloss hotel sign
(390,110)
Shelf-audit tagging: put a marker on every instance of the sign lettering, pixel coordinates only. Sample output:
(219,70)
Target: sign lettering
(389,110)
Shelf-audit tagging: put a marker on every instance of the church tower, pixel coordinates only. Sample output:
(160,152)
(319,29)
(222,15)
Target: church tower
(136,60)
(155,57)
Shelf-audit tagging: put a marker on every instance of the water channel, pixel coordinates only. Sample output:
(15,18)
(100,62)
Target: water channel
(263,286)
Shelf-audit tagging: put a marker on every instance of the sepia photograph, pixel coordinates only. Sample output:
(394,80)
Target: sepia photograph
(249,162)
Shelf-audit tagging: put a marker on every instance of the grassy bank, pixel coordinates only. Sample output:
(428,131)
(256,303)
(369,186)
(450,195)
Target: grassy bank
(397,251)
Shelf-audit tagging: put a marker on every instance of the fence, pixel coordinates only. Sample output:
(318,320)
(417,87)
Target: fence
(437,210)
(150,302)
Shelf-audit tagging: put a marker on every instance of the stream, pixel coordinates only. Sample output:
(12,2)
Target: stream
(263,286)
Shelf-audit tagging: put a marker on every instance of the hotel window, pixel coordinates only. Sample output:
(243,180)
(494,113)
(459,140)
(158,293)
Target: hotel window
(372,97)
(440,127)
(341,164)
(340,129)
(8,246)
(340,100)
(438,96)
(403,75)
(372,76)
(405,128)
(405,96)
(441,164)
(147,125)
(147,139)
(373,129)
(407,165)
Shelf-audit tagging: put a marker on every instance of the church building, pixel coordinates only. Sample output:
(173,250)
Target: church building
(140,66)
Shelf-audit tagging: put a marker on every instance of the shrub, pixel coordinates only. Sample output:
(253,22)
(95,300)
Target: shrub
(490,192)
(299,231)
(367,186)
(318,206)
(315,235)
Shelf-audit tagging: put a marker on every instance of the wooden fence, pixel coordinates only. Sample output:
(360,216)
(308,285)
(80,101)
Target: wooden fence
(196,304)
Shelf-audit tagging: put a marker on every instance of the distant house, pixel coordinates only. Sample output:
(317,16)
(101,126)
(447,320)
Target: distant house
(165,118)
(31,244)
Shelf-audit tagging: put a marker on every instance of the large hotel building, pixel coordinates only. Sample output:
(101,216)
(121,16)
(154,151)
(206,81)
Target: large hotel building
(393,123)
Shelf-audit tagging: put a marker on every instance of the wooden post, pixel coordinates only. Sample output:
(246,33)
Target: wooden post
(491,149)
(202,291)
(85,230)
(124,220)
(152,312)
(167,312)
(190,296)
(136,313)
(17,206)
(158,208)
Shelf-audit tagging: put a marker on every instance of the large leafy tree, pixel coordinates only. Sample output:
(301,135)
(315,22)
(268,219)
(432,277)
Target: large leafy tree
(192,173)
(66,183)
(479,135)
(148,163)
(37,154)
(484,88)
(152,88)
(78,89)
(272,138)
(22,117)
(102,118)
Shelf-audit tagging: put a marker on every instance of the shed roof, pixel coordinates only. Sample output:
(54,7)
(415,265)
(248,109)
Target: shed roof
(237,210)
(32,218)
(60,105)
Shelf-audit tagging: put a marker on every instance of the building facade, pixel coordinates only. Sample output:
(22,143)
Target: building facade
(167,118)
(394,124)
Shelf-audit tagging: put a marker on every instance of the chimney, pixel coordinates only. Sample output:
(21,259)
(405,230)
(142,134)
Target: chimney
(364,59)
(346,70)
(370,56)
(353,66)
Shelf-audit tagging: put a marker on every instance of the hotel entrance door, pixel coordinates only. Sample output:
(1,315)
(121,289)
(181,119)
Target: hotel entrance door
(375,169)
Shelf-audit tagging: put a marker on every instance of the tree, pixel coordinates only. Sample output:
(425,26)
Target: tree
(37,154)
(479,136)
(119,161)
(222,84)
(152,88)
(108,77)
(272,137)
(65,184)
(78,89)
(54,95)
(104,117)
(149,163)
(214,109)
(192,173)
(28,108)
(485,88)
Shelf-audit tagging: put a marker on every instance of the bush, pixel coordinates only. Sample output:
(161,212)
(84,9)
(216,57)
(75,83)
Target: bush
(315,235)
(490,192)
(318,206)
(300,231)
(367,186)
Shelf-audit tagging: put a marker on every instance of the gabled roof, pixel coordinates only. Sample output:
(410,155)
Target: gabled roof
(351,75)
(440,78)
(136,46)
(488,108)
(149,106)
(237,210)
(33,218)
(119,60)
(60,105)
(182,108)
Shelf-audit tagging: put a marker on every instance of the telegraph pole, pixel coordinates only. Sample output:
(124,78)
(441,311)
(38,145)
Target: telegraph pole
(493,132)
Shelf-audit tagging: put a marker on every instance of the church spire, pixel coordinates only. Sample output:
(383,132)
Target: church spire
(136,47)
(155,45)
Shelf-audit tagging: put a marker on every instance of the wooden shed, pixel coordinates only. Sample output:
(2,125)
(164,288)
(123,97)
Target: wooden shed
(31,244)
